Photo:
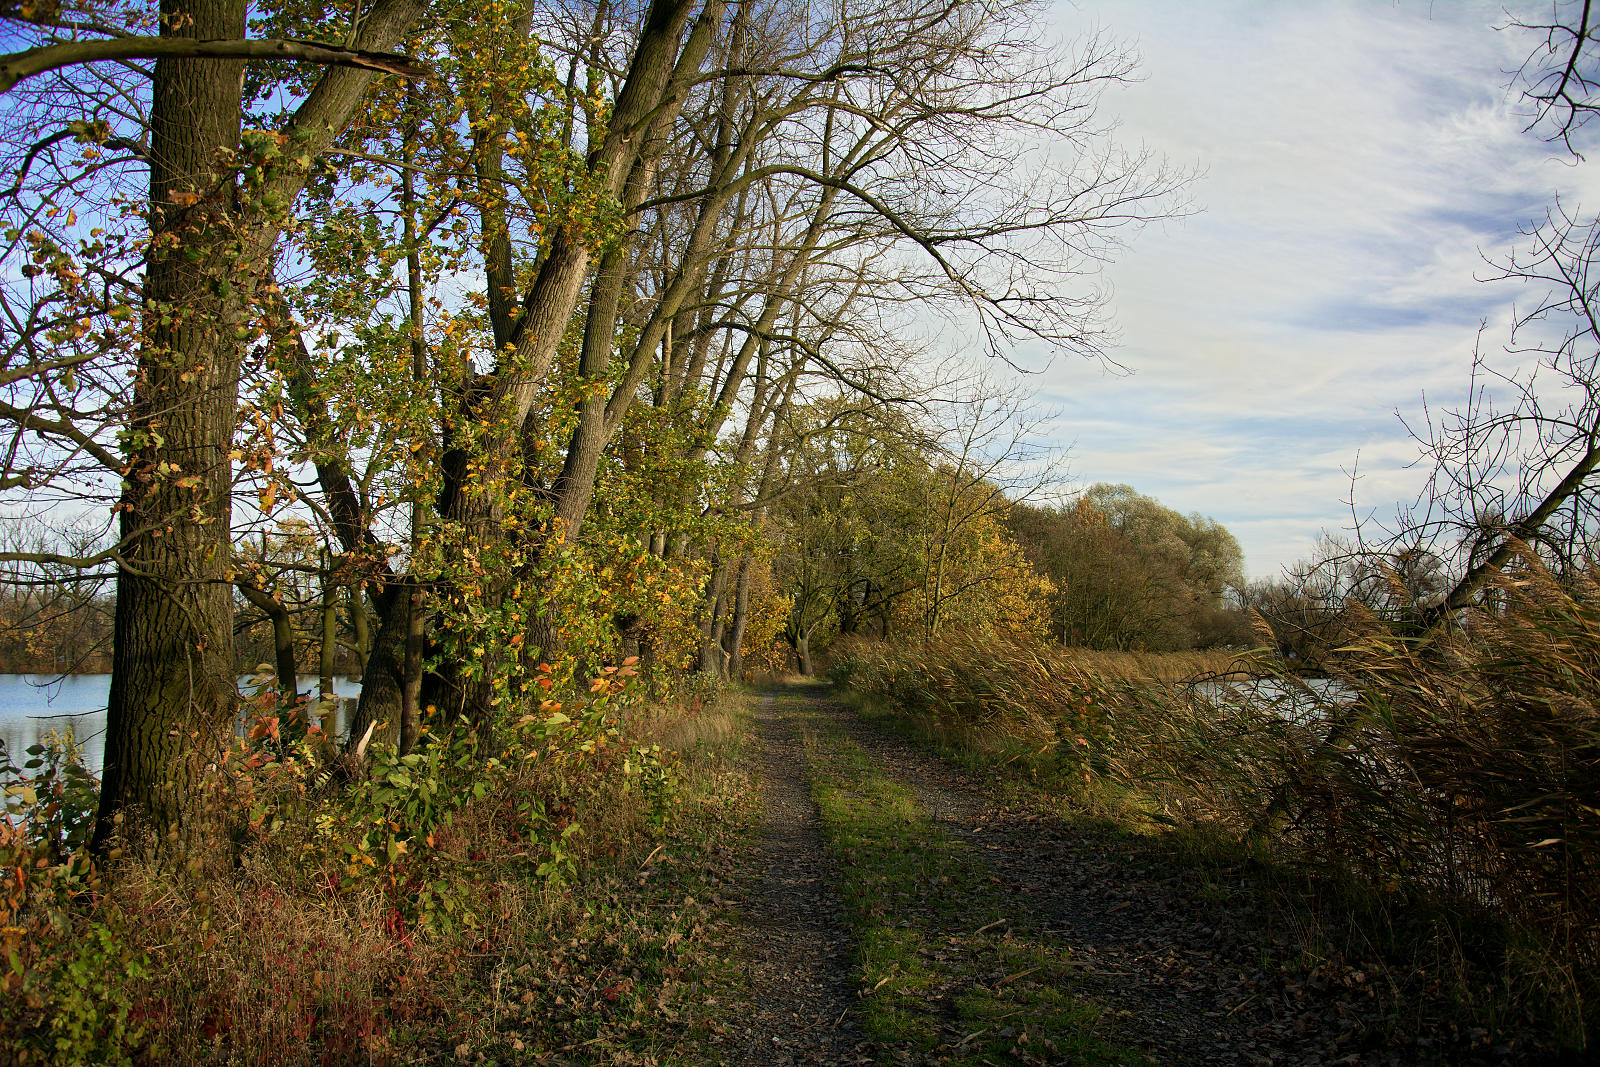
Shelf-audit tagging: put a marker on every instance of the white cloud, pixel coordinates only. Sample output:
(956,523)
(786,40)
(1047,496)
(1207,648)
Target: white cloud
(1359,160)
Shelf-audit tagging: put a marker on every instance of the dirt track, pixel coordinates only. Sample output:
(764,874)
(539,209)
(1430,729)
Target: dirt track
(797,954)
(1182,961)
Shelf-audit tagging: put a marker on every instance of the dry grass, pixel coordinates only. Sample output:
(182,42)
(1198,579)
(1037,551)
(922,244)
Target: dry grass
(1458,771)
(1168,667)
(245,971)
(768,679)
(699,727)
(295,950)
(1468,766)
(1083,714)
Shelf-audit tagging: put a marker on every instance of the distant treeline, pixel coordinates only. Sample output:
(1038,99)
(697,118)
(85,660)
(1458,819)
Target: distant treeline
(1129,574)
(47,631)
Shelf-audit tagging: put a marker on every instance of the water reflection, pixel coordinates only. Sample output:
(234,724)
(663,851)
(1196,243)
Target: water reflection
(1301,700)
(32,705)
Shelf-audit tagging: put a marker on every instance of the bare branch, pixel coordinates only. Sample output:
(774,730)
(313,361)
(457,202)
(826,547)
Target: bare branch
(18,66)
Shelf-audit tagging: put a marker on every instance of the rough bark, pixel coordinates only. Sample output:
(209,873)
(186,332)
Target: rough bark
(383,674)
(629,629)
(173,695)
(329,650)
(733,645)
(712,660)
(411,670)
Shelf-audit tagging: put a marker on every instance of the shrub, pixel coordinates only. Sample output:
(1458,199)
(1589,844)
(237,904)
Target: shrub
(323,924)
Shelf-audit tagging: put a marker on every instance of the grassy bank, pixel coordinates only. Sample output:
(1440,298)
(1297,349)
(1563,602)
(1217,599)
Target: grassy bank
(1111,729)
(566,904)
(1430,808)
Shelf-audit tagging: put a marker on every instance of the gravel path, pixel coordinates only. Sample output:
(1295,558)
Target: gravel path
(797,955)
(1159,960)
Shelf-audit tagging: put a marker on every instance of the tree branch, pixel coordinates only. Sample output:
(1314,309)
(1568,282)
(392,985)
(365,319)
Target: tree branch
(17,66)
(26,418)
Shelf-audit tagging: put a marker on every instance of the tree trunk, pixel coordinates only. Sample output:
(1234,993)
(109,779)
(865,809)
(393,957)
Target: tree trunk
(628,629)
(472,512)
(328,645)
(361,625)
(734,645)
(282,642)
(411,674)
(328,654)
(383,675)
(173,694)
(173,691)
(416,603)
(711,659)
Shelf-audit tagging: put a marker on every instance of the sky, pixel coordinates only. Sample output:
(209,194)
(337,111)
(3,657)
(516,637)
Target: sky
(1356,162)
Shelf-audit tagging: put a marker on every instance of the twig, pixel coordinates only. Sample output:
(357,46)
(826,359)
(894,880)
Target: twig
(1019,974)
(1242,1003)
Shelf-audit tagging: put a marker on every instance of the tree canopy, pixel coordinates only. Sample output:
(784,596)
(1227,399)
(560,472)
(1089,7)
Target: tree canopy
(1130,573)
(485,345)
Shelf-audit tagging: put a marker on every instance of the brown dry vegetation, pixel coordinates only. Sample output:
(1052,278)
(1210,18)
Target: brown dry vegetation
(1451,775)
(493,930)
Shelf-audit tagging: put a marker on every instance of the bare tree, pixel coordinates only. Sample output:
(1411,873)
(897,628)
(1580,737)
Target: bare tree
(1558,78)
(1516,466)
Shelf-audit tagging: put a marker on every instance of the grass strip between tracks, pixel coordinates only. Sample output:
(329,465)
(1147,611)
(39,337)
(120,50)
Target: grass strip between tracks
(949,964)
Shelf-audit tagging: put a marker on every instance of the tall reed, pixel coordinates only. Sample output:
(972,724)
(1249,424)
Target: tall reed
(1460,766)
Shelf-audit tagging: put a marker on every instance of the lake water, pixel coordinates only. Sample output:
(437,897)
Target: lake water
(1287,699)
(32,705)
